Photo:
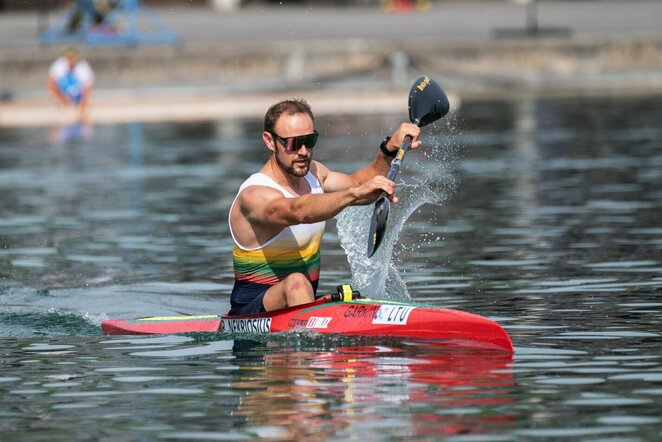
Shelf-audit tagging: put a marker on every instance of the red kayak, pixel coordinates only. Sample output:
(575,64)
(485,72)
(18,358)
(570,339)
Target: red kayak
(332,315)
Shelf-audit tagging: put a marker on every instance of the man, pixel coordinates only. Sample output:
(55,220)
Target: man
(277,219)
(70,82)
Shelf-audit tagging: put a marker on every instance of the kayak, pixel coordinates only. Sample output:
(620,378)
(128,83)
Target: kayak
(334,315)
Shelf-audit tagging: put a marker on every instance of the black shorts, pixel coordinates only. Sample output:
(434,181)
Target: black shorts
(256,306)
(247,298)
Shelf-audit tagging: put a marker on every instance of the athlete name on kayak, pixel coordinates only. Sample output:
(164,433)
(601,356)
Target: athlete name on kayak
(392,314)
(361,311)
(253,325)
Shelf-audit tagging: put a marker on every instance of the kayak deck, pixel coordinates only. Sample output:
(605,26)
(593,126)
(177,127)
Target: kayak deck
(162,325)
(359,317)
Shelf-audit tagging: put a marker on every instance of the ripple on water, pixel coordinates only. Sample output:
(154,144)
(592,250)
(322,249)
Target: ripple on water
(127,369)
(611,287)
(628,420)
(147,340)
(210,435)
(525,352)
(61,384)
(28,251)
(138,379)
(604,335)
(45,347)
(6,379)
(507,262)
(652,391)
(621,264)
(643,376)
(194,350)
(606,400)
(570,381)
(29,262)
(75,406)
(574,432)
(95,259)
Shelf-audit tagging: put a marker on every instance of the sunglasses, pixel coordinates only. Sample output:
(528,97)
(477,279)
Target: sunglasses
(293,144)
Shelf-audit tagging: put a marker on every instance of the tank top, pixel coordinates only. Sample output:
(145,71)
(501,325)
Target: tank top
(294,249)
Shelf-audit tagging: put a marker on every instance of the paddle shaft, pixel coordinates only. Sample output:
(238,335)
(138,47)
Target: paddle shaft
(395,164)
(380,214)
(397,161)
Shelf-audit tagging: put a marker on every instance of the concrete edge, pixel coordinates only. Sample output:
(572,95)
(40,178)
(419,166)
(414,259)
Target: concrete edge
(112,110)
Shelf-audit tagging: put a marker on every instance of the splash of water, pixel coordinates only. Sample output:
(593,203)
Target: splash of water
(378,277)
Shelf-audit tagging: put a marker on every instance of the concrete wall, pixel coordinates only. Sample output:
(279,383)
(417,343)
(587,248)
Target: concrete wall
(465,67)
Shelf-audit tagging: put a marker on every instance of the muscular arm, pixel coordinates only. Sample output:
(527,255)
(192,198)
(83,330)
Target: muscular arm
(268,207)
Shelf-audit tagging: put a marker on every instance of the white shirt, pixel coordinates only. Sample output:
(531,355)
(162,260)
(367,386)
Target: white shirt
(82,72)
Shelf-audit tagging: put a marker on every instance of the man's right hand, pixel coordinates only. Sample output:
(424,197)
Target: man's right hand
(369,192)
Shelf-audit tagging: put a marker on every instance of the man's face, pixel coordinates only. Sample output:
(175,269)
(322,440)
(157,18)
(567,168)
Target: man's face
(297,162)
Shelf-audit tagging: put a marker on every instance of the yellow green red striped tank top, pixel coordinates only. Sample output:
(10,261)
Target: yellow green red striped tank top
(294,249)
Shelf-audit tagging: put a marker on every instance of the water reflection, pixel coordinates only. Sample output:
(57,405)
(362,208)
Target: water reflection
(297,387)
(80,131)
(312,393)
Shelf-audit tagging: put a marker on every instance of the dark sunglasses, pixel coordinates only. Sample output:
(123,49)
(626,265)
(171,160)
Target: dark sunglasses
(293,144)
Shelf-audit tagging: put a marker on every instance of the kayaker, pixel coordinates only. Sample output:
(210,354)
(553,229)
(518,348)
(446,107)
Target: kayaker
(277,218)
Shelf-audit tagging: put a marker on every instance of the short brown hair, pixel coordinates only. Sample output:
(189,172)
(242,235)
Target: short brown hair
(289,107)
(71,52)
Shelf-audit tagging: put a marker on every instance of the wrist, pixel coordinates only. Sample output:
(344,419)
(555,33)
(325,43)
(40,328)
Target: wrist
(385,150)
(353,195)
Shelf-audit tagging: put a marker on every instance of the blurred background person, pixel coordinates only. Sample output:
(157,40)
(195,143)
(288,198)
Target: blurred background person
(70,82)
(96,10)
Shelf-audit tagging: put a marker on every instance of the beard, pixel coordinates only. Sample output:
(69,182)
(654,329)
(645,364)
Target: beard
(294,169)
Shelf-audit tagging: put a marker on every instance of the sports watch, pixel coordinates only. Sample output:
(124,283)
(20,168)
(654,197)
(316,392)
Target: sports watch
(385,151)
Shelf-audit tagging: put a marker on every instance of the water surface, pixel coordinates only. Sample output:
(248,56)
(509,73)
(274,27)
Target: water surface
(541,213)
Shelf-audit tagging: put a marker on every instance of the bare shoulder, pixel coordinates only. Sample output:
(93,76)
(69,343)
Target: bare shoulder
(248,216)
(257,196)
(320,171)
(329,180)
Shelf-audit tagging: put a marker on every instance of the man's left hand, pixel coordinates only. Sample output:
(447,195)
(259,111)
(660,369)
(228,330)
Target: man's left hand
(399,136)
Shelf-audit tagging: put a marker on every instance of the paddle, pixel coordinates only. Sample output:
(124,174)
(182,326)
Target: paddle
(427,103)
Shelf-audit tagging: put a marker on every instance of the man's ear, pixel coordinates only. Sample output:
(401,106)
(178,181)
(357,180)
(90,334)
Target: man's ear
(269,141)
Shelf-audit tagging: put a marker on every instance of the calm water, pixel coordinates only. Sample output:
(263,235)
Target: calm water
(543,214)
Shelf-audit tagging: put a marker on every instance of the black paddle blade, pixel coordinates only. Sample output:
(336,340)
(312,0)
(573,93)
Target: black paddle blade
(427,102)
(378,225)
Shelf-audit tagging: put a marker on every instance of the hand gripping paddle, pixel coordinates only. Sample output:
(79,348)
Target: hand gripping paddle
(427,103)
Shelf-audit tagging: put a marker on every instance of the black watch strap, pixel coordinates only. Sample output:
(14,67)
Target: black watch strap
(385,151)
